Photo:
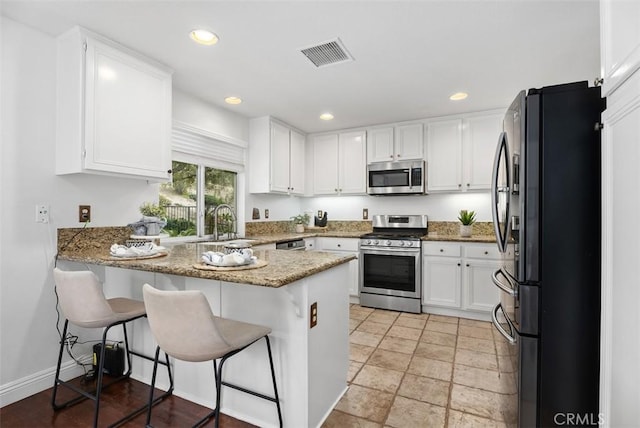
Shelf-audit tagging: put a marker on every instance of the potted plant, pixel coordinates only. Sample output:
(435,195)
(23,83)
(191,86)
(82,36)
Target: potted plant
(467,218)
(300,220)
(153,218)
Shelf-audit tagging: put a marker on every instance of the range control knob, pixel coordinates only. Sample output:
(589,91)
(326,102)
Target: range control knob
(387,243)
(375,242)
(401,244)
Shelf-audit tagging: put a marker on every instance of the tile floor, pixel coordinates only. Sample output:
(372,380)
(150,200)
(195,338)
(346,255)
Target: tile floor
(420,370)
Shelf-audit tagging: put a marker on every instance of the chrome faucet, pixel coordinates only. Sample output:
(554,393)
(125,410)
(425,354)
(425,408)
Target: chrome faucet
(224,222)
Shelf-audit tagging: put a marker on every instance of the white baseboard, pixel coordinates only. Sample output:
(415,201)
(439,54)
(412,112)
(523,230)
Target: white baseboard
(38,382)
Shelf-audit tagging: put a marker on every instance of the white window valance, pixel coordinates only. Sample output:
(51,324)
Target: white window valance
(198,146)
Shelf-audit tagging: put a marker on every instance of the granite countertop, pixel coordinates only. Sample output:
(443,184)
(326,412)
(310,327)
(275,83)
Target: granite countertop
(283,267)
(270,239)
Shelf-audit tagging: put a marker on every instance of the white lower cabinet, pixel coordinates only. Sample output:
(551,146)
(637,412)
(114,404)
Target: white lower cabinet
(344,246)
(457,276)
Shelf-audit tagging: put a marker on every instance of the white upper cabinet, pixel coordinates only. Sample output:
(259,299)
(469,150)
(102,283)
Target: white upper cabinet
(460,152)
(339,163)
(479,140)
(395,143)
(620,42)
(444,155)
(276,158)
(113,109)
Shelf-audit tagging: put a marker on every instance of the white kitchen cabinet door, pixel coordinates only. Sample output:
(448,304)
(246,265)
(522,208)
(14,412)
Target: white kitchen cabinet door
(444,155)
(296,163)
(480,137)
(480,292)
(344,246)
(352,163)
(380,144)
(279,158)
(409,142)
(620,42)
(325,164)
(114,110)
(442,281)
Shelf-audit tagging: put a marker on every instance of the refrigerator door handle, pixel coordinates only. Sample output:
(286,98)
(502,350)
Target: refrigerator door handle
(494,316)
(502,236)
(511,291)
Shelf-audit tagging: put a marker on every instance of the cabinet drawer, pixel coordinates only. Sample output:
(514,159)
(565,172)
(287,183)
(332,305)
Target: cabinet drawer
(441,249)
(338,244)
(482,252)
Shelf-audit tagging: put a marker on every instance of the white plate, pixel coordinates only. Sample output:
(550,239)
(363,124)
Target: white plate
(247,262)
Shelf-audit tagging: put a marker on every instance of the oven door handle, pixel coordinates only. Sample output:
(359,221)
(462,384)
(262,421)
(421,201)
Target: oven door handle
(511,291)
(394,250)
(510,336)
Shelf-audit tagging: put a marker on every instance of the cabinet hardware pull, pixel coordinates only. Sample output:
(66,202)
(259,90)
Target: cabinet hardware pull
(467,264)
(391,156)
(468,185)
(486,252)
(458,264)
(459,185)
(441,250)
(169,171)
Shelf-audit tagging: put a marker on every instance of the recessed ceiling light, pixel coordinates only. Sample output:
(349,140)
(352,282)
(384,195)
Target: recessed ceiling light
(204,37)
(233,100)
(326,116)
(458,96)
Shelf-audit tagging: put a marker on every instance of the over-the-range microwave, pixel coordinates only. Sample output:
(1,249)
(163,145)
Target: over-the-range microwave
(396,178)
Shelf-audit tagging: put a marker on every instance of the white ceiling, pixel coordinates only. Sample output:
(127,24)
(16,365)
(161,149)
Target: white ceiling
(409,55)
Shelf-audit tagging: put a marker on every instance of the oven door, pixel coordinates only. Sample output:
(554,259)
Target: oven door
(391,272)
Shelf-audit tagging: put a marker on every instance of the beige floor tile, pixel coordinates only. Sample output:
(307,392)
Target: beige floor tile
(441,327)
(384,317)
(362,308)
(476,323)
(373,327)
(410,322)
(466,420)
(477,332)
(411,413)
(443,318)
(438,338)
(389,359)
(473,344)
(412,315)
(364,338)
(357,315)
(354,367)
(379,378)
(365,403)
(353,323)
(435,352)
(360,353)
(487,404)
(505,364)
(422,388)
(476,359)
(398,344)
(339,419)
(430,368)
(490,380)
(405,332)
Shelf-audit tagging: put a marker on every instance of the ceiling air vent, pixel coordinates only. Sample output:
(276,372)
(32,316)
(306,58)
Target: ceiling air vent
(327,53)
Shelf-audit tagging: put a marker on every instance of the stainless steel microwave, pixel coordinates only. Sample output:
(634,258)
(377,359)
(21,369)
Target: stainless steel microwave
(396,178)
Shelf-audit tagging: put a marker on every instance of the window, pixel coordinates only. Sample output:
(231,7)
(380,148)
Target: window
(194,195)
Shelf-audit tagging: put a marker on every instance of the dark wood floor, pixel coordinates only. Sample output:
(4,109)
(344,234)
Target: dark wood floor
(116,401)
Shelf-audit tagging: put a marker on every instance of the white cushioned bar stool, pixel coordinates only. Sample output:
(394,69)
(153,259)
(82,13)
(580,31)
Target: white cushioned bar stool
(83,304)
(185,328)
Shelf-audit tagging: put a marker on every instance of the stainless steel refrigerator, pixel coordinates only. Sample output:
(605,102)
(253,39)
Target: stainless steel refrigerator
(546,202)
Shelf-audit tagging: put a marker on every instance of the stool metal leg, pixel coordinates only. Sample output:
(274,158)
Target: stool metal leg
(273,377)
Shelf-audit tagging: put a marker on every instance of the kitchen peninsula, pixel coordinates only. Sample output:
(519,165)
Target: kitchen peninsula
(311,362)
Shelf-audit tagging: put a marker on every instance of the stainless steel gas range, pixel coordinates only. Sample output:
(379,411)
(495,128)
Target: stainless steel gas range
(391,263)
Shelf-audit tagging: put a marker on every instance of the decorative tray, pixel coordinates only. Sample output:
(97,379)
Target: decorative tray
(252,265)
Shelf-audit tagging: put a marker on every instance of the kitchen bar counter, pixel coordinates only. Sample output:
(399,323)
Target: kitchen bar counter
(283,267)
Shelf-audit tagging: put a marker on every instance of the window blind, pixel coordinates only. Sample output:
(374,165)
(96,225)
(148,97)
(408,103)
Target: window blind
(203,147)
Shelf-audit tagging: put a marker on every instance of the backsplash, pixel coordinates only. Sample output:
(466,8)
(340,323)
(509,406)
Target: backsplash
(279,227)
(448,228)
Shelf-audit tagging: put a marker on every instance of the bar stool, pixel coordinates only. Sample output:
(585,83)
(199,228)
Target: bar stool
(185,328)
(83,304)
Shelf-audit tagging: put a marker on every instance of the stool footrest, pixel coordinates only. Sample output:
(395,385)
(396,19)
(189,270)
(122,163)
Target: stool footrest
(248,391)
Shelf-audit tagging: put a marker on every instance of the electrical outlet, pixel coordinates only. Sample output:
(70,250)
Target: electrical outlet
(266,213)
(84,213)
(42,213)
(365,213)
(313,315)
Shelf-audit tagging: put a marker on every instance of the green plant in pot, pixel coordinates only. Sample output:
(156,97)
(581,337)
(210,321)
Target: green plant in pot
(466,218)
(300,220)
